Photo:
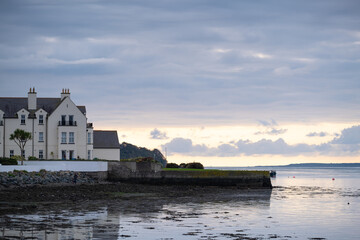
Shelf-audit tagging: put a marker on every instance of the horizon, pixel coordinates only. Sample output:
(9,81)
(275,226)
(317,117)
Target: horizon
(225,84)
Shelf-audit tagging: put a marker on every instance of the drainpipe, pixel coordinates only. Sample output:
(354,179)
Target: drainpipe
(4,138)
(46,138)
(33,136)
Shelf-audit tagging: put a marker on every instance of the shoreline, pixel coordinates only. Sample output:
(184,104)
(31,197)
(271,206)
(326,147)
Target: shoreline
(104,189)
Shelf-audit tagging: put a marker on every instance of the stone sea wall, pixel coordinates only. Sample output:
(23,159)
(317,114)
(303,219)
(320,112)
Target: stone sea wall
(149,173)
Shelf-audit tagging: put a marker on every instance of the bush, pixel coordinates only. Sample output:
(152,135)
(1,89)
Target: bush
(172,165)
(8,161)
(195,165)
(33,158)
(182,165)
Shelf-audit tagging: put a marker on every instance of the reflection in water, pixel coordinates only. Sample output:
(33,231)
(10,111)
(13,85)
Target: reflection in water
(136,217)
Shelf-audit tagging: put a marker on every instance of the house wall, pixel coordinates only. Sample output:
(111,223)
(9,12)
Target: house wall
(2,142)
(107,153)
(38,128)
(10,125)
(55,146)
(52,146)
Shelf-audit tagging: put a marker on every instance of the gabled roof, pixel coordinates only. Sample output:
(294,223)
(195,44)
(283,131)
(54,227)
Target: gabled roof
(106,139)
(10,106)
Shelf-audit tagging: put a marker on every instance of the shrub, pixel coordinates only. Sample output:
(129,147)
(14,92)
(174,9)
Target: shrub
(172,165)
(8,161)
(33,158)
(195,165)
(182,165)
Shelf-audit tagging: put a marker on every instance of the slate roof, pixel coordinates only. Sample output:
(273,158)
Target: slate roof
(11,105)
(106,139)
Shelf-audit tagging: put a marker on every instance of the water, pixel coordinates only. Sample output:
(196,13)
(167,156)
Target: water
(304,204)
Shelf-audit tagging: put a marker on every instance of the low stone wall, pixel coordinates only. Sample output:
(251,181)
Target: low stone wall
(152,175)
(23,178)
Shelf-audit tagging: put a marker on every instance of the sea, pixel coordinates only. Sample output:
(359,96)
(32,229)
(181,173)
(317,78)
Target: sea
(305,203)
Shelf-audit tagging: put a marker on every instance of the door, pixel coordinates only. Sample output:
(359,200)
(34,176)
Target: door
(63,155)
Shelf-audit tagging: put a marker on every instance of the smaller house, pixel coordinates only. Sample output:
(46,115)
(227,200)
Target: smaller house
(106,145)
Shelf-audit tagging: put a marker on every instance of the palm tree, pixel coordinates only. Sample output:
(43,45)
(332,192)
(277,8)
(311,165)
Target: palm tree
(20,137)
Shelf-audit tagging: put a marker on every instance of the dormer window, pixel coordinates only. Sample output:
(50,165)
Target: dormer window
(22,119)
(41,119)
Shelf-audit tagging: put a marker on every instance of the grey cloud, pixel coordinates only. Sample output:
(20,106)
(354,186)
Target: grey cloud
(270,128)
(270,123)
(348,143)
(272,131)
(348,136)
(317,134)
(160,58)
(157,134)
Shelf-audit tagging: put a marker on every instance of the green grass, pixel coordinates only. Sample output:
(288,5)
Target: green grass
(217,172)
(188,169)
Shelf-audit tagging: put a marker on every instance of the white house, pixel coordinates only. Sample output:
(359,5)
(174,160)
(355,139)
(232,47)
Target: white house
(58,127)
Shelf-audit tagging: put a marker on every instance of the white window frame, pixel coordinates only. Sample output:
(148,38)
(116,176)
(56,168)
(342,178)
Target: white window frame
(41,154)
(41,119)
(11,154)
(22,119)
(63,137)
(89,154)
(89,138)
(71,137)
(41,136)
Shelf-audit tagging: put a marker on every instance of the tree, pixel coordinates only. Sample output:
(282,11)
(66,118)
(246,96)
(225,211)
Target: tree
(20,137)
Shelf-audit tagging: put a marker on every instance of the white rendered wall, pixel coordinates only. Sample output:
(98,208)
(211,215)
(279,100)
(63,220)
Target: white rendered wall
(107,153)
(35,134)
(1,134)
(78,166)
(11,124)
(67,107)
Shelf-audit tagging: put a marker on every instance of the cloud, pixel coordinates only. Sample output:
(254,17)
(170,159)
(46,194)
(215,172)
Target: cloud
(270,128)
(270,123)
(348,143)
(317,134)
(272,131)
(157,134)
(348,136)
(191,61)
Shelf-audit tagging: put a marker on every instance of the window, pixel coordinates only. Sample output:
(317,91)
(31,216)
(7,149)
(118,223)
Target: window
(71,155)
(23,153)
(63,137)
(41,136)
(89,138)
(63,120)
(22,119)
(63,155)
(11,153)
(89,154)
(41,119)
(41,154)
(71,120)
(71,137)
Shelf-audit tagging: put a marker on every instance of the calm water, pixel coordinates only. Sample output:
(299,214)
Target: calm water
(305,204)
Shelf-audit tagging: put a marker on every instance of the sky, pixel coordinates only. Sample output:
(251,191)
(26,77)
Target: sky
(226,83)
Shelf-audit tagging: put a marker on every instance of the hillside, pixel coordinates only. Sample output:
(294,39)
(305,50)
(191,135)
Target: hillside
(131,151)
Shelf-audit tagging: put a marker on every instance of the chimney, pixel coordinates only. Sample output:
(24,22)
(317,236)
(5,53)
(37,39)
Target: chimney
(32,99)
(65,93)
